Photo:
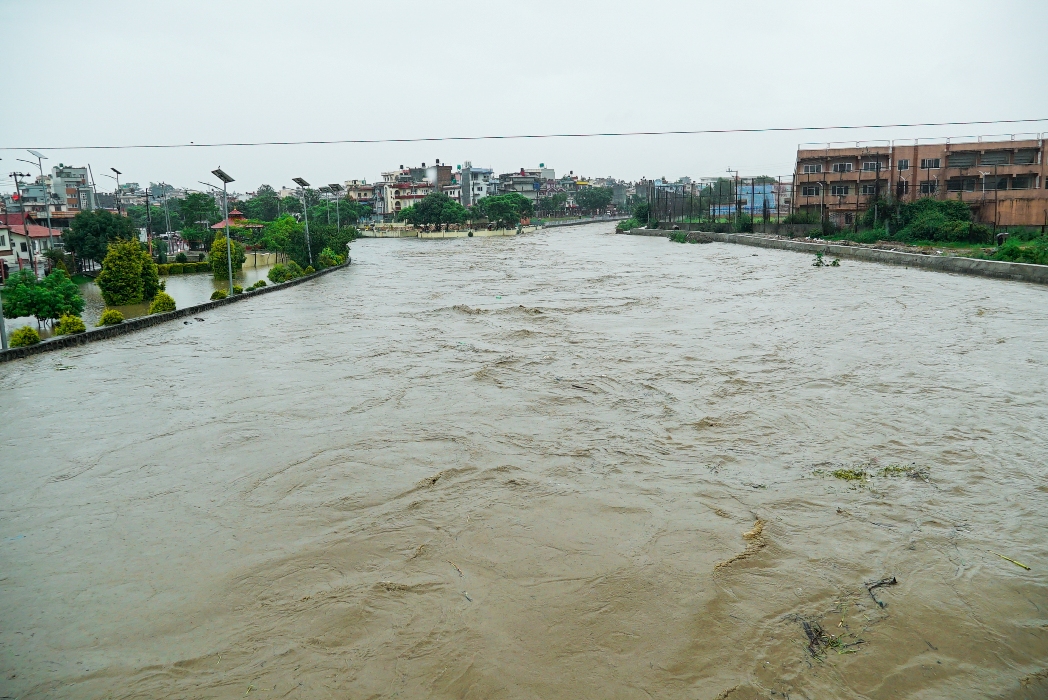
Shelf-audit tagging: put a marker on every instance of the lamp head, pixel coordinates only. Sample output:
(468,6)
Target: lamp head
(36,154)
(116,171)
(221,175)
(300,182)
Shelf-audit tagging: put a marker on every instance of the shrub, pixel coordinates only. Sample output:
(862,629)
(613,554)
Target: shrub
(162,269)
(128,274)
(628,224)
(24,336)
(329,258)
(1013,251)
(803,217)
(282,273)
(237,289)
(174,269)
(217,257)
(218,294)
(69,324)
(310,270)
(111,317)
(259,284)
(162,304)
(181,258)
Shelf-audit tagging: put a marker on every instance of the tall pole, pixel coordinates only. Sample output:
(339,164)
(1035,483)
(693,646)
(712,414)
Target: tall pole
(305,214)
(149,224)
(3,331)
(47,200)
(25,227)
(119,209)
(996,188)
(229,247)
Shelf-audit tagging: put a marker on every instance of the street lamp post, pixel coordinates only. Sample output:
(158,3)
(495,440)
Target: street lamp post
(305,214)
(47,203)
(217,172)
(337,189)
(119,209)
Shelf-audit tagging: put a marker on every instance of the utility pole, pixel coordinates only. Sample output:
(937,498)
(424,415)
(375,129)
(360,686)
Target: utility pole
(149,224)
(47,197)
(25,226)
(119,209)
(217,172)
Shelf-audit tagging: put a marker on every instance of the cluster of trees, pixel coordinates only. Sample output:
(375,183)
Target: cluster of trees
(288,235)
(589,200)
(48,299)
(437,209)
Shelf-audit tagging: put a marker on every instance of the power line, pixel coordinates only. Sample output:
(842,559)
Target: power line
(528,136)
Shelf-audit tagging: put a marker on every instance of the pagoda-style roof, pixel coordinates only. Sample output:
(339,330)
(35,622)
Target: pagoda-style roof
(235,220)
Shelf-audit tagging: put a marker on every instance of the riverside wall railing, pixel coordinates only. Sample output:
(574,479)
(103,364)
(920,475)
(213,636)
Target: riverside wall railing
(136,324)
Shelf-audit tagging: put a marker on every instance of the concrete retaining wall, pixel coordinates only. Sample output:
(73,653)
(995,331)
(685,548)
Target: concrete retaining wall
(576,222)
(136,324)
(1023,272)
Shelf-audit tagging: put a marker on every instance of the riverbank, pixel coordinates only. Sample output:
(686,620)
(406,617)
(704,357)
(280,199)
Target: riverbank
(1022,272)
(135,324)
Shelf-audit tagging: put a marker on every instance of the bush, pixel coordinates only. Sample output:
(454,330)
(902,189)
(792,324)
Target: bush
(181,258)
(24,337)
(1012,251)
(69,324)
(310,270)
(328,258)
(162,304)
(628,224)
(237,289)
(259,284)
(803,217)
(174,269)
(162,269)
(282,273)
(218,294)
(128,274)
(111,317)
(217,257)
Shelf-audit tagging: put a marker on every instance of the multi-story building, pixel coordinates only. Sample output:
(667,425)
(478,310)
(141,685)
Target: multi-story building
(1002,179)
(361,192)
(475,183)
(392,196)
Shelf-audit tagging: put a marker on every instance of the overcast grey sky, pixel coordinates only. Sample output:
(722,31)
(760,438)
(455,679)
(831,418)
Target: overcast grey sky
(114,72)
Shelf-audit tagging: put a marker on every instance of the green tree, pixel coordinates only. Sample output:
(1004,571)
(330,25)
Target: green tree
(198,211)
(594,198)
(291,205)
(150,276)
(276,235)
(553,203)
(405,214)
(217,257)
(437,209)
(264,206)
(121,279)
(53,297)
(505,210)
(91,232)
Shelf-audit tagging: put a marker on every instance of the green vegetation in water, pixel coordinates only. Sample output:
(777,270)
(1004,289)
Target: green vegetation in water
(70,324)
(913,471)
(24,337)
(110,317)
(819,262)
(162,304)
(679,237)
(849,474)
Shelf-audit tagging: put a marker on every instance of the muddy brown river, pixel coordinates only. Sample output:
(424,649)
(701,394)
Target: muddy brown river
(570,464)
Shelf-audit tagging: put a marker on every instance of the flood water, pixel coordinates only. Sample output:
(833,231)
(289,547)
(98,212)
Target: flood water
(186,290)
(569,464)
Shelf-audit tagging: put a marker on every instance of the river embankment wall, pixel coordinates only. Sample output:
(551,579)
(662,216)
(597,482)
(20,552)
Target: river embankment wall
(577,222)
(136,324)
(1022,272)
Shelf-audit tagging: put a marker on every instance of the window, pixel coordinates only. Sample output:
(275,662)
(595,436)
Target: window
(904,164)
(960,184)
(1023,182)
(849,218)
(995,183)
(871,166)
(24,248)
(811,169)
(1026,156)
(839,190)
(842,167)
(929,186)
(3,241)
(902,187)
(929,163)
(869,189)
(961,160)
(810,191)
(994,158)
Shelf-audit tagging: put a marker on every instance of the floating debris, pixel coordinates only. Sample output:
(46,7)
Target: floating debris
(755,542)
(890,581)
(1017,563)
(849,474)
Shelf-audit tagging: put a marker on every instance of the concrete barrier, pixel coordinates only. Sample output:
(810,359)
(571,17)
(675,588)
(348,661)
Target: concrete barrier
(1022,272)
(577,222)
(137,324)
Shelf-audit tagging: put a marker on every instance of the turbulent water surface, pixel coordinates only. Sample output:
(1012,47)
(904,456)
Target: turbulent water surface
(568,464)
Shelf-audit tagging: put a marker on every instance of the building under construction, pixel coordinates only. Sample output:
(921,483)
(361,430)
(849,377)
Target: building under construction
(1002,178)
